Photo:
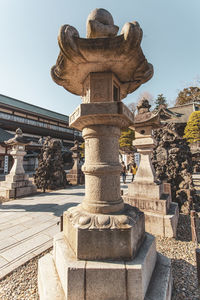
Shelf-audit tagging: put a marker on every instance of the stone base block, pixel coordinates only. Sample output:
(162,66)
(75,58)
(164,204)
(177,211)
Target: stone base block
(163,225)
(17,192)
(155,206)
(150,196)
(16,177)
(99,237)
(16,184)
(103,280)
(49,285)
(156,222)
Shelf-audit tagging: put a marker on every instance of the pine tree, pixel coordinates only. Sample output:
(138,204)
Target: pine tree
(126,139)
(192,129)
(50,173)
(188,95)
(161,100)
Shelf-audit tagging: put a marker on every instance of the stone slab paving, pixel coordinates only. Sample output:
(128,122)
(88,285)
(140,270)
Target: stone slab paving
(27,225)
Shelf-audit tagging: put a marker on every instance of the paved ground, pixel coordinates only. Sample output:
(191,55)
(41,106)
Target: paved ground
(27,225)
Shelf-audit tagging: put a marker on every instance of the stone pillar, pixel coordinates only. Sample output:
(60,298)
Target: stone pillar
(101,219)
(102,169)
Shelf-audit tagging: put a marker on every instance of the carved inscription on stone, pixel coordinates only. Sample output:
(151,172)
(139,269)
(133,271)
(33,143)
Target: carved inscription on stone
(99,90)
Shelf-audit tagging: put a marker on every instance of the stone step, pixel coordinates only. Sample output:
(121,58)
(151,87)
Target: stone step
(49,285)
(89,279)
(160,287)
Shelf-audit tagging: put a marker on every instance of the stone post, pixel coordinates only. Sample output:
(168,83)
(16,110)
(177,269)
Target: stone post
(102,169)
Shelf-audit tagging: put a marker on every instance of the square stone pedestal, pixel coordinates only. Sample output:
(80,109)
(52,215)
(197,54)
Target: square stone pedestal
(62,277)
(16,186)
(161,214)
(97,236)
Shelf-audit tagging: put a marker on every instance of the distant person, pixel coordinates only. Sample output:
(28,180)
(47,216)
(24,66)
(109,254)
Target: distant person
(123,172)
(133,171)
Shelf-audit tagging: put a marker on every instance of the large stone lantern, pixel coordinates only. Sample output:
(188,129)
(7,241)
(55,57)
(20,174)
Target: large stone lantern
(98,254)
(17,183)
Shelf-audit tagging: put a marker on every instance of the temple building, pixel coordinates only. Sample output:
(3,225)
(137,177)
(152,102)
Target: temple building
(36,123)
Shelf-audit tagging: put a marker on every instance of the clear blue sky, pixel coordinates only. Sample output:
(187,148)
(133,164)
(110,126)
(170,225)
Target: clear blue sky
(28,45)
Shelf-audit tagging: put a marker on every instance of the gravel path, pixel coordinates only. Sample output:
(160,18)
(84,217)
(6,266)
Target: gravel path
(182,253)
(22,283)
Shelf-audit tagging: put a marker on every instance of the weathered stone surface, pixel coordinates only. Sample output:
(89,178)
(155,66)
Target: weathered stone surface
(122,55)
(162,278)
(49,285)
(139,270)
(71,272)
(157,222)
(101,87)
(114,114)
(91,279)
(100,24)
(82,279)
(116,236)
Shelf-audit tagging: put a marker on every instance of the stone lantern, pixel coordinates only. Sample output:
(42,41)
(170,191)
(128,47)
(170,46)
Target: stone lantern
(17,183)
(103,251)
(146,192)
(75,176)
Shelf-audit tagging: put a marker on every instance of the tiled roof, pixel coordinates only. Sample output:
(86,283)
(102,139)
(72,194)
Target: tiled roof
(184,112)
(5,136)
(32,108)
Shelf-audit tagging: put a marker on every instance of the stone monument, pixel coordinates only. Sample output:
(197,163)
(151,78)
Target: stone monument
(146,192)
(103,252)
(75,175)
(17,183)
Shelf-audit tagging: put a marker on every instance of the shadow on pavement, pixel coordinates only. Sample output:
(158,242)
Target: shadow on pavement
(56,209)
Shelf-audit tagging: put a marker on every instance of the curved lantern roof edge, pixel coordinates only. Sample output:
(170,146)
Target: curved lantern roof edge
(120,54)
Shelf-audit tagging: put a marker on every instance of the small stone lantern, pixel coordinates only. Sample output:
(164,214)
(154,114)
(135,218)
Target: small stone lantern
(18,144)
(146,192)
(17,183)
(75,176)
